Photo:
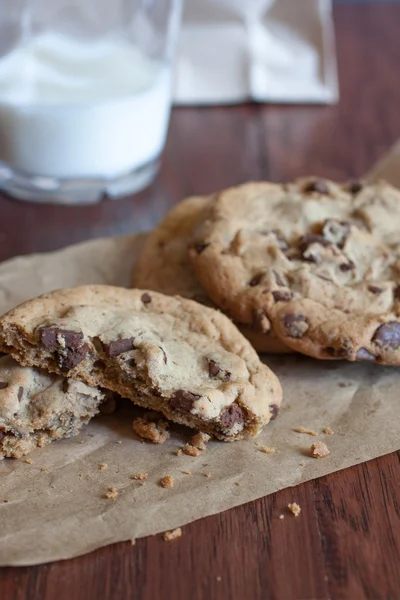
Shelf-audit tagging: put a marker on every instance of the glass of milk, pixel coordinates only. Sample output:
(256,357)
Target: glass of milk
(85,96)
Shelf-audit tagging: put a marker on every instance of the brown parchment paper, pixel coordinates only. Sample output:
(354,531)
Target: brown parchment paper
(55,508)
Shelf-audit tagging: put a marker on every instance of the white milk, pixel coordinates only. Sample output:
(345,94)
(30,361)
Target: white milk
(73,109)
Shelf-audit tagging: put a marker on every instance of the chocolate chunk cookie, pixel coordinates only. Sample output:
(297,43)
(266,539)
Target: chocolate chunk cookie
(169,354)
(164,266)
(317,260)
(37,408)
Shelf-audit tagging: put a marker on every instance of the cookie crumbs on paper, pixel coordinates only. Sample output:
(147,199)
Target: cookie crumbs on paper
(28,461)
(208,475)
(156,432)
(319,450)
(328,431)
(294,508)
(111,494)
(266,449)
(167,481)
(140,476)
(172,535)
(199,440)
(187,472)
(306,430)
(103,466)
(281,517)
(191,450)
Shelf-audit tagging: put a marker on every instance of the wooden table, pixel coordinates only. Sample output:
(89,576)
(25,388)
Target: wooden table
(346,543)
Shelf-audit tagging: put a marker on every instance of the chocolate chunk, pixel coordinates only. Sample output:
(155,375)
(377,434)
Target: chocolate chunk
(231,415)
(308,240)
(213,368)
(65,385)
(336,232)
(374,289)
(364,354)
(183,400)
(146,298)
(20,393)
(396,292)
(317,185)
(388,335)
(274,411)
(256,279)
(282,296)
(312,238)
(69,358)
(295,325)
(117,347)
(3,385)
(200,247)
(50,336)
(347,266)
(261,321)
(279,279)
(354,187)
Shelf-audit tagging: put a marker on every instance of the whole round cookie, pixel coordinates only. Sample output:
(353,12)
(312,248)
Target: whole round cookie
(316,260)
(164,266)
(165,353)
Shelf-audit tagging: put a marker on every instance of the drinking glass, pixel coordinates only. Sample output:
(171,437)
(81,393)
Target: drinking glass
(85,96)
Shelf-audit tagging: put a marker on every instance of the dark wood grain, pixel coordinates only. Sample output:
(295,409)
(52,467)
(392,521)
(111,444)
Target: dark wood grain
(346,543)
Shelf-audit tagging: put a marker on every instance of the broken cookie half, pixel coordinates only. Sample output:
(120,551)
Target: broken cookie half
(165,353)
(37,408)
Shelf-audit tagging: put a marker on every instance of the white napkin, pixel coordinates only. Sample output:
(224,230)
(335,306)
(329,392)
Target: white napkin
(231,51)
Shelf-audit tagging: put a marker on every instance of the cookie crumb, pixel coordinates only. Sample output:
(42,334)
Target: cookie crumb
(187,472)
(118,442)
(294,508)
(327,430)
(140,476)
(167,481)
(237,483)
(267,449)
(208,475)
(111,494)
(200,440)
(190,450)
(44,468)
(103,466)
(281,516)
(28,461)
(178,452)
(133,542)
(305,430)
(219,578)
(155,431)
(319,450)
(172,535)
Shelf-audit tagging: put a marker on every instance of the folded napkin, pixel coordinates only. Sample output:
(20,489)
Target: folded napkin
(231,51)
